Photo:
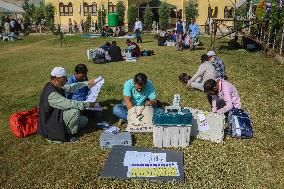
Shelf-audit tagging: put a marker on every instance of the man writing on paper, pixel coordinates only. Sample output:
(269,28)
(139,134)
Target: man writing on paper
(137,92)
(59,118)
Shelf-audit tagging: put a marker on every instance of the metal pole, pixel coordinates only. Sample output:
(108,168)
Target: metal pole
(281,45)
(138,12)
(250,13)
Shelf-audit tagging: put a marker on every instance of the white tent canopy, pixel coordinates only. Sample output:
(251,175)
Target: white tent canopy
(8,7)
(240,3)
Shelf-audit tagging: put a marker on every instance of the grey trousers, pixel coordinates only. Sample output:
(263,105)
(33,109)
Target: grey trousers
(198,84)
(74,121)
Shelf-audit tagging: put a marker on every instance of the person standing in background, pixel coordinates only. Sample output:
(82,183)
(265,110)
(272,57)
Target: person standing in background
(138,30)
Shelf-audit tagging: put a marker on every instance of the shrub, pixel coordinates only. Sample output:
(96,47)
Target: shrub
(120,9)
(131,16)
(164,14)
(148,18)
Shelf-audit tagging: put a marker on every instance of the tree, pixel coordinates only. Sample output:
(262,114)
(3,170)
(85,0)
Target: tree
(87,23)
(131,16)
(120,9)
(164,14)
(148,18)
(191,11)
(102,17)
(39,13)
(49,16)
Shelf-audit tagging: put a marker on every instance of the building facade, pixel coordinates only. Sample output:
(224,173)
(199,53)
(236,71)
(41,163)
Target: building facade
(77,10)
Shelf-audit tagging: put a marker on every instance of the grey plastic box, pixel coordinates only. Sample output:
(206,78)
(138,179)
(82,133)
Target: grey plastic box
(107,140)
(216,124)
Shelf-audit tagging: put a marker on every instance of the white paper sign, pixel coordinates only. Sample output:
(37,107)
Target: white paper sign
(94,91)
(203,126)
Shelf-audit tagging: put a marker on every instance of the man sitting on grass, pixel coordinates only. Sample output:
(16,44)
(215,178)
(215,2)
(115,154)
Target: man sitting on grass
(115,52)
(224,95)
(205,71)
(81,75)
(218,64)
(137,92)
(135,48)
(59,118)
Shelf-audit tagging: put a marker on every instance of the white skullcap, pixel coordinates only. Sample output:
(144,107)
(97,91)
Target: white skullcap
(58,72)
(211,53)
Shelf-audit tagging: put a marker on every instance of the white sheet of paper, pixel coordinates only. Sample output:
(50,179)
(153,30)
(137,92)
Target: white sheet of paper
(152,172)
(203,126)
(94,91)
(134,157)
(201,117)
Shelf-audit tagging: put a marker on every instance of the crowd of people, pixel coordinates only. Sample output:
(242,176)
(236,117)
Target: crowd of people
(63,110)
(185,38)
(111,52)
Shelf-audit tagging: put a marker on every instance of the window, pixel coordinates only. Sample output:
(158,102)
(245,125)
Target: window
(111,7)
(228,12)
(213,13)
(90,9)
(65,10)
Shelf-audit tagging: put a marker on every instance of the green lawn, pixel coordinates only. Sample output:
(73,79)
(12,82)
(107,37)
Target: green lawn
(33,163)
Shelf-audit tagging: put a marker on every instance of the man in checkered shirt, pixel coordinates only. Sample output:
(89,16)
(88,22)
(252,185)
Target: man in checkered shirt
(217,63)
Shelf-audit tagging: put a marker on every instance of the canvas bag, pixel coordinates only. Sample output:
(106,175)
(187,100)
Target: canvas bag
(24,123)
(139,119)
(240,125)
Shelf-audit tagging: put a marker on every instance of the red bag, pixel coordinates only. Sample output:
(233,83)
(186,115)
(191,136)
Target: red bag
(24,123)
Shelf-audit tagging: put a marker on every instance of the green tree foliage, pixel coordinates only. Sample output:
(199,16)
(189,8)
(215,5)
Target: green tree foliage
(148,18)
(120,9)
(87,23)
(164,14)
(37,13)
(29,12)
(131,16)
(241,13)
(276,22)
(101,17)
(191,11)
(49,16)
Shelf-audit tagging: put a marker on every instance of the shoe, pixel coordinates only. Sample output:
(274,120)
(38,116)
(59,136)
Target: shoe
(54,141)
(72,138)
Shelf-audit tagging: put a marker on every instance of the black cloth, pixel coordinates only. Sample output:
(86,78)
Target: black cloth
(115,53)
(50,120)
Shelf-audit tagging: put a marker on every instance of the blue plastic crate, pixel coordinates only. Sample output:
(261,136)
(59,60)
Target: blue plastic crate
(174,117)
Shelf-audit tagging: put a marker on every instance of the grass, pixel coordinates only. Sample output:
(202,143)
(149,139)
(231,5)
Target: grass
(33,163)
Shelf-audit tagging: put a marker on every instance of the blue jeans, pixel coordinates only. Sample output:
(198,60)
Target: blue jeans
(120,111)
(138,36)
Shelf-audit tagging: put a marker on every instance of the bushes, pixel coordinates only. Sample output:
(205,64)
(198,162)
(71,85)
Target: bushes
(101,17)
(164,14)
(131,16)
(37,13)
(148,18)
(120,9)
(191,11)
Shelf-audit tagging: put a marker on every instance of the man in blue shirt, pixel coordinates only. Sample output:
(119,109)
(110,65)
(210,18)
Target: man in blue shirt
(179,33)
(80,75)
(193,30)
(137,92)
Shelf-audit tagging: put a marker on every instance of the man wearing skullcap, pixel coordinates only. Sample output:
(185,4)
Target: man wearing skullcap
(59,118)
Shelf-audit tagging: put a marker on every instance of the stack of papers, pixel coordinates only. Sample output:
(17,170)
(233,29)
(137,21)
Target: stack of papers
(131,59)
(147,164)
(94,91)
